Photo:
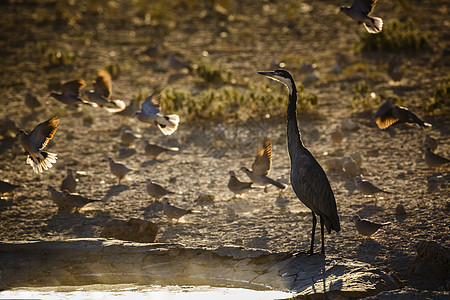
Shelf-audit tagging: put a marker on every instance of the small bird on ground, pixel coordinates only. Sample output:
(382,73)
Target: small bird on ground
(261,167)
(433,160)
(174,212)
(71,93)
(32,102)
(367,188)
(127,138)
(34,143)
(236,186)
(388,115)
(366,227)
(69,183)
(154,150)
(360,10)
(351,167)
(394,67)
(151,113)
(129,110)
(76,201)
(430,141)
(58,198)
(155,190)
(117,169)
(337,136)
(101,95)
(6,187)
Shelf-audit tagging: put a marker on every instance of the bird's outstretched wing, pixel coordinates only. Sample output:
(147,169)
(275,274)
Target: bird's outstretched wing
(151,106)
(387,119)
(263,159)
(103,84)
(365,6)
(42,133)
(73,88)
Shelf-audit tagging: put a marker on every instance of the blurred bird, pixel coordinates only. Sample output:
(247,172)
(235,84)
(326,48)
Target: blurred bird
(350,167)
(367,188)
(360,10)
(173,212)
(127,138)
(58,198)
(337,136)
(32,102)
(76,201)
(101,95)
(388,115)
(236,186)
(34,143)
(433,160)
(261,167)
(117,169)
(176,64)
(366,227)
(431,142)
(156,191)
(129,110)
(6,187)
(8,125)
(394,67)
(71,93)
(154,150)
(219,136)
(69,183)
(151,113)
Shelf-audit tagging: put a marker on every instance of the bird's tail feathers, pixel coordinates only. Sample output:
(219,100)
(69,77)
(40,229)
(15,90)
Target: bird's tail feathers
(39,164)
(375,25)
(277,183)
(171,125)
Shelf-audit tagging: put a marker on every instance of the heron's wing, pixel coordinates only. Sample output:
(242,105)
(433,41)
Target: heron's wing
(42,133)
(263,159)
(365,6)
(103,84)
(151,106)
(73,88)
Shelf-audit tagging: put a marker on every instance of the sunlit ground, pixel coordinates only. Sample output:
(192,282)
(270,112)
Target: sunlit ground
(140,292)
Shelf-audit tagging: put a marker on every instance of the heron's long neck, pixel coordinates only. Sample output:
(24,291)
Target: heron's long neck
(293,133)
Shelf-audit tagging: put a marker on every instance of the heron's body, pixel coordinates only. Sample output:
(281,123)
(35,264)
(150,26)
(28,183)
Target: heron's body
(308,179)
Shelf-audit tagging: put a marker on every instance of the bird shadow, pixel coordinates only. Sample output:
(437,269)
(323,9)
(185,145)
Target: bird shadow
(114,191)
(126,152)
(153,210)
(368,250)
(151,162)
(369,210)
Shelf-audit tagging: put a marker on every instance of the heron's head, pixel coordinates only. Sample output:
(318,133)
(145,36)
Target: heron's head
(282,76)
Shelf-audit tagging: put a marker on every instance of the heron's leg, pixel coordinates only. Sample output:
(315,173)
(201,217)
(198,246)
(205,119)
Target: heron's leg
(322,234)
(311,251)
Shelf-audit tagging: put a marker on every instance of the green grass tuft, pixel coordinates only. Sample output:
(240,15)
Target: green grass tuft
(440,102)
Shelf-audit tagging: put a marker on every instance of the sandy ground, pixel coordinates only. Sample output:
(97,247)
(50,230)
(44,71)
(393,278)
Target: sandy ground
(393,160)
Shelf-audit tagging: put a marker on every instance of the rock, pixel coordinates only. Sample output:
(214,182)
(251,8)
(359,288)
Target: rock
(135,230)
(432,260)
(336,69)
(400,210)
(205,198)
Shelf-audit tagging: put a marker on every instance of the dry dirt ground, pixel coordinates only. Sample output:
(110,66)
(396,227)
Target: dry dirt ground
(245,38)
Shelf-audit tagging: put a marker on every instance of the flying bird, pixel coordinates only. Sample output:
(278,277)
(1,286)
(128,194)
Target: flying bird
(360,10)
(236,186)
(308,180)
(173,212)
(151,113)
(34,143)
(388,115)
(366,227)
(261,167)
(71,93)
(129,110)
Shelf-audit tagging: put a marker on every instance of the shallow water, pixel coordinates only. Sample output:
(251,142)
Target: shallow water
(139,292)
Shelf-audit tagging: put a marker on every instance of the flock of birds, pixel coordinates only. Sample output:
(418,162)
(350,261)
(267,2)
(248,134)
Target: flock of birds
(307,177)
